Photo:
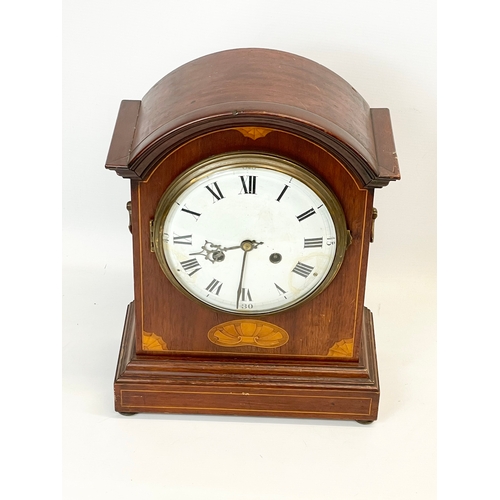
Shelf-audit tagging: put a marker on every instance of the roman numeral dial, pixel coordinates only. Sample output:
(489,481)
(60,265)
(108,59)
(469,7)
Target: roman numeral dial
(249,183)
(306,214)
(215,191)
(196,215)
(187,239)
(214,287)
(302,269)
(191,266)
(249,234)
(313,242)
(283,191)
(245,295)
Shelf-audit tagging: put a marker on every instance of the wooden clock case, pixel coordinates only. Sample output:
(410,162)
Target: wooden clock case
(263,101)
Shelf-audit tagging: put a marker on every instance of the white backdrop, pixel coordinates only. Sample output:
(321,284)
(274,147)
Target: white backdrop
(116,50)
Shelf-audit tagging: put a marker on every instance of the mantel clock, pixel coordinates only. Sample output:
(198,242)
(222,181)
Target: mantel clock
(252,177)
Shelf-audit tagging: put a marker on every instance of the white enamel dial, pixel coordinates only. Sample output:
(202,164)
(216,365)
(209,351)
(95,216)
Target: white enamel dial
(249,234)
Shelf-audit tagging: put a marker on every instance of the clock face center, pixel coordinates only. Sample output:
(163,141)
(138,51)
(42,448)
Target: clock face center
(247,245)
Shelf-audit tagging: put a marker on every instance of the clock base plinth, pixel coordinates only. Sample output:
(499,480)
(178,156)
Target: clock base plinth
(327,389)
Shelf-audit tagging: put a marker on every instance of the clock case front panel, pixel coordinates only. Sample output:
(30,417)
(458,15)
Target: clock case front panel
(315,327)
(268,102)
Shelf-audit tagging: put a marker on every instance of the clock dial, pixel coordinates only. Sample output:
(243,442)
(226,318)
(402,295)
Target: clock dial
(249,234)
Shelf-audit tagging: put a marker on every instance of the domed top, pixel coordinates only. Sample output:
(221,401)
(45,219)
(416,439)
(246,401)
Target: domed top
(255,87)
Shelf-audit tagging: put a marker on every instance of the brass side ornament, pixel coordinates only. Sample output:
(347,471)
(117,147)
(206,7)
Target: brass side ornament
(374,216)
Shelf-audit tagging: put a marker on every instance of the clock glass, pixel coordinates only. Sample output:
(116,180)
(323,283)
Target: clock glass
(249,233)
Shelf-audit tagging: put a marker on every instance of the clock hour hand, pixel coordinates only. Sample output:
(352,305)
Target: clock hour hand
(254,244)
(215,253)
(211,252)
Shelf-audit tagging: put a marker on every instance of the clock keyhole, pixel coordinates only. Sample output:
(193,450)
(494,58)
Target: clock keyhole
(275,258)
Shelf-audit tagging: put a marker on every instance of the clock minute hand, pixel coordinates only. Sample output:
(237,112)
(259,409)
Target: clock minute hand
(238,295)
(246,246)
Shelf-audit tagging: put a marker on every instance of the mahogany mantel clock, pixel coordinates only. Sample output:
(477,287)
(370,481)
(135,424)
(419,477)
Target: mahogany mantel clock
(252,175)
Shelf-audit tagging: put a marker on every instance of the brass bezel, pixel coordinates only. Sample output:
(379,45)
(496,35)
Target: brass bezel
(229,161)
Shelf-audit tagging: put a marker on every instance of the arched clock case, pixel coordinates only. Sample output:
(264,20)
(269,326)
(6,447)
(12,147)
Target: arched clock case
(252,177)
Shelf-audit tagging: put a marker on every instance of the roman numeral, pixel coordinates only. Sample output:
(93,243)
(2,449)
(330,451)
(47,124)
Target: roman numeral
(214,287)
(183,240)
(191,264)
(215,191)
(249,182)
(302,269)
(245,295)
(280,290)
(306,214)
(196,215)
(282,193)
(313,242)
